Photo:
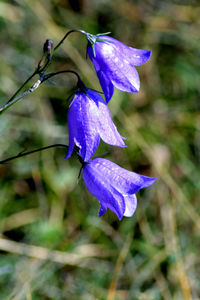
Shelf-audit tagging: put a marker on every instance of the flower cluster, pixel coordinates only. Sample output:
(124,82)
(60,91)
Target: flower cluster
(89,120)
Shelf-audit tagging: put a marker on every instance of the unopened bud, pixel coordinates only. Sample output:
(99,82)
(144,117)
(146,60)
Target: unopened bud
(48,47)
(41,62)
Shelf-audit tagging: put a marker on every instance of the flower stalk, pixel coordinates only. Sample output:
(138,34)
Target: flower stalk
(21,154)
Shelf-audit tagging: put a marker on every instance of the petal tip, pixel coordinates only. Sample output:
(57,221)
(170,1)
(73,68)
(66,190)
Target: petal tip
(148,181)
(102,211)
(120,217)
(149,52)
(124,145)
(136,88)
(69,153)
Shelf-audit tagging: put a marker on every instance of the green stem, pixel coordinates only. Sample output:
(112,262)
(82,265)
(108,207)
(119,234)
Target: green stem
(23,85)
(33,151)
(66,35)
(38,70)
(15,99)
(36,85)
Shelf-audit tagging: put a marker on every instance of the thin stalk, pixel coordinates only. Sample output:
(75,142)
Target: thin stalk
(66,35)
(46,77)
(39,71)
(33,151)
(10,103)
(35,86)
(23,85)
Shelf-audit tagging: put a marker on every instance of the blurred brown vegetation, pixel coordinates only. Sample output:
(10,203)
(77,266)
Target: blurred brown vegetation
(53,245)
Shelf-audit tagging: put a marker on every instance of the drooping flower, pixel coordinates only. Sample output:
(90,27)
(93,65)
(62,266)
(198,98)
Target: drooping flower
(89,120)
(114,64)
(114,186)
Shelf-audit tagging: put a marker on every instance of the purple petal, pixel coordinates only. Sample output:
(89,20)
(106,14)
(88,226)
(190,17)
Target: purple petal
(128,80)
(71,131)
(137,57)
(112,61)
(71,139)
(114,64)
(82,119)
(106,84)
(107,129)
(131,205)
(102,210)
(147,181)
(98,186)
(124,181)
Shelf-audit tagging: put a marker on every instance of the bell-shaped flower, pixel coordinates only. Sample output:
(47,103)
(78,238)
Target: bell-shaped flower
(114,186)
(89,120)
(114,63)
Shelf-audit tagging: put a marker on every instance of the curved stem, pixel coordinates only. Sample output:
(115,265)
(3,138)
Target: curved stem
(46,77)
(39,71)
(33,151)
(17,98)
(35,86)
(66,35)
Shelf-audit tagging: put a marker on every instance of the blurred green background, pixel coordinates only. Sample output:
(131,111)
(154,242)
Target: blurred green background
(52,243)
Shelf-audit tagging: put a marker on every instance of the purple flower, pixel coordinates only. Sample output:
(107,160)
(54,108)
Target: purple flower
(89,120)
(114,64)
(114,186)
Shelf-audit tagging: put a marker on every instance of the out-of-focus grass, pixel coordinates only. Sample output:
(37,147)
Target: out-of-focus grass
(53,245)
